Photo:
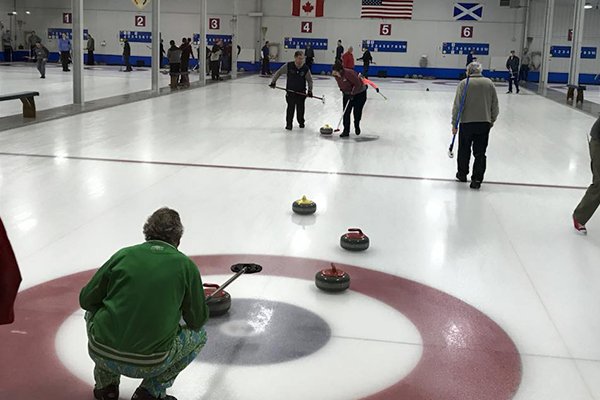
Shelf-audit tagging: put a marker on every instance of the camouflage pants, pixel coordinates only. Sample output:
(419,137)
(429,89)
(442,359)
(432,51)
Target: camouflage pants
(158,378)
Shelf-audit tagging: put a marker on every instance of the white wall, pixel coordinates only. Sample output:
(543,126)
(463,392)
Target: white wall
(563,21)
(105,18)
(431,25)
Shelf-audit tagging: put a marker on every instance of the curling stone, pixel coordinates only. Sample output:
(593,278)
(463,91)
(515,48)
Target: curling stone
(354,240)
(326,130)
(332,279)
(304,206)
(427,90)
(219,304)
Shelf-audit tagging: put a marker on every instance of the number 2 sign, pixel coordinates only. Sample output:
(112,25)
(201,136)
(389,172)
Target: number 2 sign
(306,27)
(140,20)
(385,29)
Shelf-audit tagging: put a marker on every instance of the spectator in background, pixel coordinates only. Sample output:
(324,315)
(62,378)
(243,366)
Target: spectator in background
(91,47)
(348,58)
(162,54)
(227,57)
(266,66)
(41,56)
(524,72)
(309,55)
(339,51)
(512,64)
(127,55)
(590,202)
(215,60)
(174,56)
(7,46)
(471,57)
(479,112)
(186,53)
(367,59)
(31,41)
(64,46)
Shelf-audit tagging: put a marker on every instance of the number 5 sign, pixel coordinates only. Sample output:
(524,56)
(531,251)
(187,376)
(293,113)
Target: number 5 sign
(385,29)
(466,32)
(306,27)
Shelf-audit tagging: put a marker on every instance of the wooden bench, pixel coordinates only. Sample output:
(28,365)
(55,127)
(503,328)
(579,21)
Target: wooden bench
(571,93)
(27,98)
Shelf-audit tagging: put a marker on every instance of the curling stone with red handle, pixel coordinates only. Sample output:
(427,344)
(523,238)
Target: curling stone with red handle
(354,240)
(220,303)
(332,279)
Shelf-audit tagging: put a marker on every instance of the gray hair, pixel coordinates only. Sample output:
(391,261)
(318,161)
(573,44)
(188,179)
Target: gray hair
(164,224)
(474,68)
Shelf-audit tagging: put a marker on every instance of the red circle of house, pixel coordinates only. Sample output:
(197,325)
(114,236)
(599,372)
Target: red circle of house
(466,355)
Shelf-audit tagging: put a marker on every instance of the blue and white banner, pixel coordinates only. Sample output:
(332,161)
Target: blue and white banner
(468,11)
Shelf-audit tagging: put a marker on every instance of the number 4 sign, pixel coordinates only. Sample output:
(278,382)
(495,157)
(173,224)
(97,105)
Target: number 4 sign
(466,32)
(306,27)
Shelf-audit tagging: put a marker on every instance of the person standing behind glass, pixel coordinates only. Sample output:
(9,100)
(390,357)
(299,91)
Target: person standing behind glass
(64,46)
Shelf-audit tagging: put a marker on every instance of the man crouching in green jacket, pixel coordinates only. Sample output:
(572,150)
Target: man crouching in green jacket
(134,304)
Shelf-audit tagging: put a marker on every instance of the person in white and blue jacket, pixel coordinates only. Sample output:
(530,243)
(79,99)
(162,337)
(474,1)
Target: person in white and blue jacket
(64,47)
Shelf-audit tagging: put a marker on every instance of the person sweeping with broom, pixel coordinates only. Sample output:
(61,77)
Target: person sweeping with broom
(355,96)
(298,76)
(474,112)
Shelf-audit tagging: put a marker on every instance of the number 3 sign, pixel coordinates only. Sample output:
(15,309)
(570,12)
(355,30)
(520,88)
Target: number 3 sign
(214,23)
(466,32)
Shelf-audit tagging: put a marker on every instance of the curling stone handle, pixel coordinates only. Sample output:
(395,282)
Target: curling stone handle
(355,230)
(211,285)
(333,268)
(229,281)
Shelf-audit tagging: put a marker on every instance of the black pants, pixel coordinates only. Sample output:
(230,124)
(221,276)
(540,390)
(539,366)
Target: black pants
(524,73)
(357,104)
(185,67)
(366,70)
(91,60)
(7,53)
(127,63)
(309,63)
(295,103)
(513,77)
(215,67)
(266,67)
(473,135)
(65,56)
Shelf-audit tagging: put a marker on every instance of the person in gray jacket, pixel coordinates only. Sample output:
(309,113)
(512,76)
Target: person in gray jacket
(41,57)
(91,47)
(479,112)
(591,200)
(174,56)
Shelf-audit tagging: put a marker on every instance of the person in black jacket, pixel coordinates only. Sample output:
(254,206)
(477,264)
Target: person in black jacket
(266,67)
(339,51)
(309,54)
(512,64)
(298,75)
(367,59)
(126,55)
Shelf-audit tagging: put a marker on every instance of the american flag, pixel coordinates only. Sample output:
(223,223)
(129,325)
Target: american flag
(387,9)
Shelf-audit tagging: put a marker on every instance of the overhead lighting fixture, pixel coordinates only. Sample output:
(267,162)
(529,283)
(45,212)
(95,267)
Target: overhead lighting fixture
(588,6)
(28,12)
(12,13)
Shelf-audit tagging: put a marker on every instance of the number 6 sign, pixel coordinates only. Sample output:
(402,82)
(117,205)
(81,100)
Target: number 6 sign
(466,32)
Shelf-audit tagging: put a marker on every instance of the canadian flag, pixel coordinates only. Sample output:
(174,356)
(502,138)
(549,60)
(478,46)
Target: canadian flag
(308,8)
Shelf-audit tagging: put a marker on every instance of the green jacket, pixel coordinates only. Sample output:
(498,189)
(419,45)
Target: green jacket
(137,299)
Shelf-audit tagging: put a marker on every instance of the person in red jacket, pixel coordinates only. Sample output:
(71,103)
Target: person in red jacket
(348,59)
(10,278)
(355,96)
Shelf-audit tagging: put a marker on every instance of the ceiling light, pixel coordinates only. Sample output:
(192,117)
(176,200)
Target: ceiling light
(28,12)
(588,6)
